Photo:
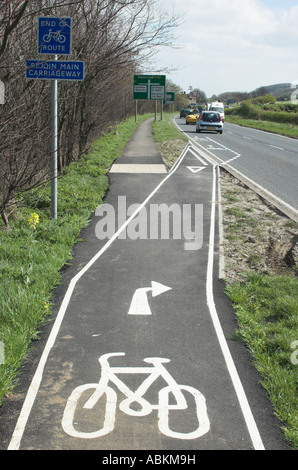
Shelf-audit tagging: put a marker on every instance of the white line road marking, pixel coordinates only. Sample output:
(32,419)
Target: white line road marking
(237,155)
(249,419)
(139,304)
(195,169)
(221,273)
(138,168)
(275,147)
(198,157)
(251,129)
(268,194)
(247,138)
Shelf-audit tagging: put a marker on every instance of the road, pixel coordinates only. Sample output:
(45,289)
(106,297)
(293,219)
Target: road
(141,355)
(268,160)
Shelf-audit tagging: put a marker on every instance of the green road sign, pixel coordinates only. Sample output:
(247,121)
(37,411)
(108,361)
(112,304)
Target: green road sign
(170,97)
(149,87)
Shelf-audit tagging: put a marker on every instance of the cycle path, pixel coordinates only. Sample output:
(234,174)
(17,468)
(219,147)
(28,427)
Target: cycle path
(140,295)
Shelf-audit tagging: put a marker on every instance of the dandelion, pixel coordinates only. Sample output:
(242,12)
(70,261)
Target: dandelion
(33,220)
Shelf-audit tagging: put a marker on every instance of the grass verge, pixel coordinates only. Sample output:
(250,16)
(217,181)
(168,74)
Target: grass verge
(35,248)
(261,280)
(266,308)
(169,139)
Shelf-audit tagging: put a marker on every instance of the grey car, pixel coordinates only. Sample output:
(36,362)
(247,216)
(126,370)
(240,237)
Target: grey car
(210,121)
(184,112)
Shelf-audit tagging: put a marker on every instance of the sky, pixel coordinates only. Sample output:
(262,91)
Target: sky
(231,45)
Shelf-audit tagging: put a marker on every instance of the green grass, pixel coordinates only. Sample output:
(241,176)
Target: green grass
(32,255)
(169,139)
(266,308)
(165,130)
(288,130)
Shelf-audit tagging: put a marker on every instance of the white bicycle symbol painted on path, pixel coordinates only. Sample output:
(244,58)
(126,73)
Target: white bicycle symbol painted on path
(109,374)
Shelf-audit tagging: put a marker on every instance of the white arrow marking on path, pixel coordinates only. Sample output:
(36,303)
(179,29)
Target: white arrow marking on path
(195,169)
(139,304)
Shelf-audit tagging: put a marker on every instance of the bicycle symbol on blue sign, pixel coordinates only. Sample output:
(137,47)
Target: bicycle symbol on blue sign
(77,402)
(54,35)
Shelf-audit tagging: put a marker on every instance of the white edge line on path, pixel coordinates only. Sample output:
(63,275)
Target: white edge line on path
(221,271)
(248,416)
(245,407)
(37,378)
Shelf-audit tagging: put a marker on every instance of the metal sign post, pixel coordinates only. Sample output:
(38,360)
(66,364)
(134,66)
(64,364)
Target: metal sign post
(2,93)
(54,148)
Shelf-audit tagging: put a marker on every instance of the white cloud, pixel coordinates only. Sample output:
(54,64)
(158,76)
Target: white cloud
(232,45)
(288,24)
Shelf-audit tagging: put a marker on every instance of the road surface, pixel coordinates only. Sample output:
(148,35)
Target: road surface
(268,160)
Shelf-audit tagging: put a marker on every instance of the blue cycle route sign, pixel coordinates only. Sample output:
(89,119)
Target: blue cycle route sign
(54,35)
(55,69)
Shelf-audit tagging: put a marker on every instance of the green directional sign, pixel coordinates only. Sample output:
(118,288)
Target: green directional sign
(170,97)
(149,87)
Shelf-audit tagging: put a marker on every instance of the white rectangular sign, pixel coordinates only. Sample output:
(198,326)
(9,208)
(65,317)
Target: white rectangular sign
(157,92)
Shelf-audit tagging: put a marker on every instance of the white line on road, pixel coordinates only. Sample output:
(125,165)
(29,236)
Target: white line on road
(197,156)
(237,155)
(257,187)
(275,147)
(260,131)
(248,416)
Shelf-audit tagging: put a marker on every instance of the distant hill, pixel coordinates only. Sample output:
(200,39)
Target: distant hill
(282,91)
(278,90)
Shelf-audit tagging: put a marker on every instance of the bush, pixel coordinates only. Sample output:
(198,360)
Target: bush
(282,117)
(264,99)
(249,111)
(270,113)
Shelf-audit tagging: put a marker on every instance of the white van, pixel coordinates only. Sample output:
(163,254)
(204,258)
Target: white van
(219,107)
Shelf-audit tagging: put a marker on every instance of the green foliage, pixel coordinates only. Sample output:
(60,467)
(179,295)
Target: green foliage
(165,130)
(263,99)
(266,309)
(257,109)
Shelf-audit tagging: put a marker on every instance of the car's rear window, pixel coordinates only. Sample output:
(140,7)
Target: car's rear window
(219,110)
(211,117)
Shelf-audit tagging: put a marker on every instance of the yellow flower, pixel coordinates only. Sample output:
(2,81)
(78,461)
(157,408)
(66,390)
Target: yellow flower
(33,220)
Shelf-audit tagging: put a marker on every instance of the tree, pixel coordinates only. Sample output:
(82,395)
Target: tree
(180,97)
(10,16)
(115,39)
(259,92)
(200,95)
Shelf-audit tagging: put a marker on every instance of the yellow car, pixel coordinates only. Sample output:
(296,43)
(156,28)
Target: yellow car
(192,117)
